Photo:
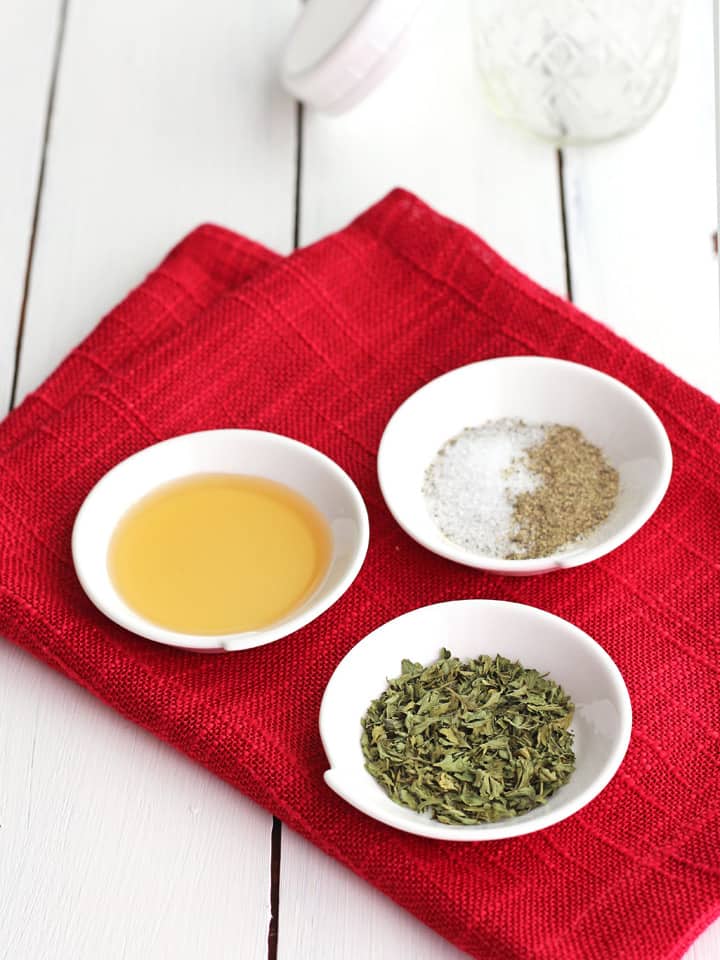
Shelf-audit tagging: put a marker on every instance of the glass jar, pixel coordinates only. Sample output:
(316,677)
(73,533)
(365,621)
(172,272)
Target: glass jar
(577,71)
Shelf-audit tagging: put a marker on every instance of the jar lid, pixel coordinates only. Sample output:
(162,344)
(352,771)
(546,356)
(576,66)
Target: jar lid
(340,50)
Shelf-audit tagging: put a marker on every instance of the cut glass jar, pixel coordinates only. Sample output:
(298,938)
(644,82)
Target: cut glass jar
(577,71)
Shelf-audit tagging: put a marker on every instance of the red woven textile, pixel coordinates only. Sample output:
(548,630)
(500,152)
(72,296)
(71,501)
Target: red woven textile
(323,346)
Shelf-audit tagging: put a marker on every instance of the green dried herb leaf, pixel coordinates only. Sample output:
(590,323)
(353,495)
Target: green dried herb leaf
(469,741)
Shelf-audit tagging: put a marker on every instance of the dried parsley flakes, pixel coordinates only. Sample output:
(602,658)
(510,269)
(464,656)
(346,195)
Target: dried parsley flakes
(469,741)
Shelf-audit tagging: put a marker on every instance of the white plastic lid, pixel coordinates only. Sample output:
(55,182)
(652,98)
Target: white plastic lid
(340,50)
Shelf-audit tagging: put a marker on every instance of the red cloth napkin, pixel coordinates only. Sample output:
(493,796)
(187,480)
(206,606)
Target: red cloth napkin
(323,346)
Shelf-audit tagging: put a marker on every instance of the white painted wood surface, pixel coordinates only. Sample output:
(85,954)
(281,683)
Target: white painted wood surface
(429,129)
(111,844)
(165,117)
(641,215)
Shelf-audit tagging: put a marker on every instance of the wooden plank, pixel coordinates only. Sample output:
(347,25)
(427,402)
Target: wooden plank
(641,214)
(114,845)
(28,33)
(327,911)
(164,119)
(428,129)
(707,945)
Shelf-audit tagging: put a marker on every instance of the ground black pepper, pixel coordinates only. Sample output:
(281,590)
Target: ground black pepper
(578,490)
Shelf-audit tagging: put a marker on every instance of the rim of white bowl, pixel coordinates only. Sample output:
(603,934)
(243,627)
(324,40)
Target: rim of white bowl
(503,829)
(120,613)
(556,561)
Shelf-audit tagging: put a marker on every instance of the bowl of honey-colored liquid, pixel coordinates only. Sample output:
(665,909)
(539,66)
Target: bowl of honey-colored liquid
(220,540)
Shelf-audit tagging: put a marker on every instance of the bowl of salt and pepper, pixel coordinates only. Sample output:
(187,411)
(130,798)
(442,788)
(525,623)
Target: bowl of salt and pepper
(467,720)
(523,465)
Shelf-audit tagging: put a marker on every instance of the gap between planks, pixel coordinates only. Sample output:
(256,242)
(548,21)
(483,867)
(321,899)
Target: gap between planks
(276,838)
(564,220)
(716,71)
(50,105)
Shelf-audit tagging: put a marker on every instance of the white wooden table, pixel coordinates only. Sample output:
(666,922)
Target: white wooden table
(124,123)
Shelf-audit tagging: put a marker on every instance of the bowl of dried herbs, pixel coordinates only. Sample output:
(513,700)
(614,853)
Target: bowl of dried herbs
(474,720)
(523,465)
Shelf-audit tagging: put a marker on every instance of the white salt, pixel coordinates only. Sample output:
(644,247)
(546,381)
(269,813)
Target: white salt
(471,485)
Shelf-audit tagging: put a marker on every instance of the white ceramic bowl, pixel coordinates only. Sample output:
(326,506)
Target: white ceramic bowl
(468,628)
(270,455)
(539,389)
